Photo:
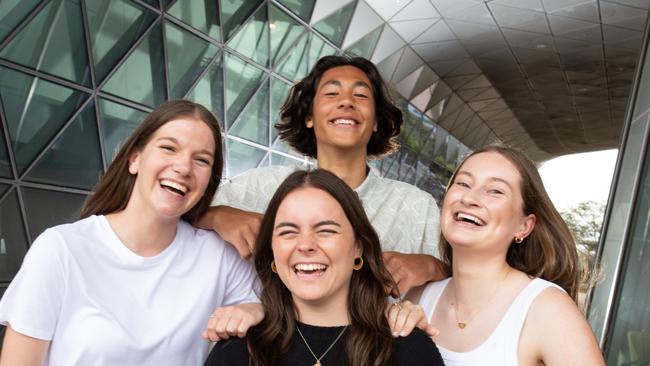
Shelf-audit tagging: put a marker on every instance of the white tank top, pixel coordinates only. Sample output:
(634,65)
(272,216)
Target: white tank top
(500,348)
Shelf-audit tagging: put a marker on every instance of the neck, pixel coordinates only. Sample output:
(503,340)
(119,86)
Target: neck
(322,314)
(476,279)
(149,237)
(347,165)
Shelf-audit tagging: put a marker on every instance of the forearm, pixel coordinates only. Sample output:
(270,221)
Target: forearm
(207,220)
(19,349)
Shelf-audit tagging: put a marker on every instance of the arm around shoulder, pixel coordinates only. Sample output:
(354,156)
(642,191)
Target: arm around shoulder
(556,333)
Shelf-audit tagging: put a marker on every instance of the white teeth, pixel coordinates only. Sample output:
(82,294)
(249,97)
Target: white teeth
(310,267)
(341,121)
(174,185)
(472,218)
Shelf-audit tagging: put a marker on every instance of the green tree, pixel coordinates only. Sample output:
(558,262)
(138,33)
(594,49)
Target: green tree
(585,221)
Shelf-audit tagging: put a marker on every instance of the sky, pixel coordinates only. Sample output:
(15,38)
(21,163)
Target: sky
(575,178)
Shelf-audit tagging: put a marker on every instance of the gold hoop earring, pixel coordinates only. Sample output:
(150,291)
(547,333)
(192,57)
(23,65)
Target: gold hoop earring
(358,263)
(273,267)
(518,239)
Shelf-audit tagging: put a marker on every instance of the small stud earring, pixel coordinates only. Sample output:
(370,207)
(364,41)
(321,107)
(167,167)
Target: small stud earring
(518,239)
(273,267)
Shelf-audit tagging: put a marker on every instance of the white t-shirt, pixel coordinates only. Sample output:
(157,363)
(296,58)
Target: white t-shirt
(406,218)
(101,304)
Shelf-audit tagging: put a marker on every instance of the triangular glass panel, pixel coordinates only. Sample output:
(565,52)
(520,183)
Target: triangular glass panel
(296,64)
(301,8)
(279,93)
(53,42)
(277,159)
(141,78)
(153,3)
(5,164)
(333,26)
(187,58)
(62,208)
(252,39)
(281,146)
(35,110)
(242,80)
(13,13)
(317,49)
(202,15)
(242,157)
(366,45)
(284,33)
(74,160)
(114,26)
(253,123)
(3,189)
(117,123)
(13,241)
(234,13)
(209,90)
(266,161)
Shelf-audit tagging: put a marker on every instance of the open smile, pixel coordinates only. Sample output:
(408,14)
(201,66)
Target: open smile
(174,187)
(471,219)
(309,269)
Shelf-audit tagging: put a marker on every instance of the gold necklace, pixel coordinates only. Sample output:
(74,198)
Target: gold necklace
(328,348)
(462,325)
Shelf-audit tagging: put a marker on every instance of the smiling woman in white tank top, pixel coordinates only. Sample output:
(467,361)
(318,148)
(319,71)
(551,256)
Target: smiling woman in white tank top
(515,272)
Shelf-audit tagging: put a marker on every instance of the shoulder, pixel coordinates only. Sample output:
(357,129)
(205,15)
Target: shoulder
(204,241)
(416,349)
(403,189)
(61,239)
(260,174)
(234,352)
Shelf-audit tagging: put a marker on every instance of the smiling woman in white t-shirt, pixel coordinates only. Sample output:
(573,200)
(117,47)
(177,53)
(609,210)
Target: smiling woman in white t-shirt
(132,282)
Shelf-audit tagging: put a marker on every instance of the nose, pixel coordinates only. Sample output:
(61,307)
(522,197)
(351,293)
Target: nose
(346,100)
(470,198)
(306,244)
(182,165)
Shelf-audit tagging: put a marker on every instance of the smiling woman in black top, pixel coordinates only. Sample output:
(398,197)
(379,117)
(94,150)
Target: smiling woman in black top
(323,285)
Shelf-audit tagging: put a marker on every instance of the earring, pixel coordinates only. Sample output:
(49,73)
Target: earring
(358,263)
(273,267)
(518,239)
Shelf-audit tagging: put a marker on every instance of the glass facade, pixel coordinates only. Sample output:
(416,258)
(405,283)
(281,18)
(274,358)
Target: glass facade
(77,76)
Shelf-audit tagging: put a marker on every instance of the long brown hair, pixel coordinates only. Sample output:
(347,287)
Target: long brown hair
(368,341)
(299,106)
(550,251)
(113,191)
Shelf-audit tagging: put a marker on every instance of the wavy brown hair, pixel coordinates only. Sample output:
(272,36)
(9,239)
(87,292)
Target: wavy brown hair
(369,340)
(550,251)
(298,107)
(113,191)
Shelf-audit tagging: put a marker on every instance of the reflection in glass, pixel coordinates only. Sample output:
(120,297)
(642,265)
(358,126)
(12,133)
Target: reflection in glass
(62,208)
(117,121)
(50,43)
(35,110)
(333,26)
(296,64)
(629,335)
(279,93)
(366,45)
(141,78)
(114,27)
(74,160)
(209,90)
(242,80)
(12,12)
(252,39)
(5,168)
(242,157)
(234,13)
(187,57)
(202,15)
(284,33)
(13,241)
(317,49)
(253,123)
(301,8)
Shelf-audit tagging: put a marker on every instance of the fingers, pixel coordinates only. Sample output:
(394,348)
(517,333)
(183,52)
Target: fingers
(232,321)
(404,317)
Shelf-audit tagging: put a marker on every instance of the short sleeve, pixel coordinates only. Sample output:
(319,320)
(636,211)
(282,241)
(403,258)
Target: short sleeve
(416,349)
(32,302)
(241,280)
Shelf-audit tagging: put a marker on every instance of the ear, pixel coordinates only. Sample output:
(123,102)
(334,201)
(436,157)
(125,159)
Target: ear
(134,160)
(374,128)
(358,249)
(527,226)
(309,122)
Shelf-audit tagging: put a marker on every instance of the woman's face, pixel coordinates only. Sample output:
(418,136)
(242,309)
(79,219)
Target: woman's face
(483,207)
(173,169)
(314,248)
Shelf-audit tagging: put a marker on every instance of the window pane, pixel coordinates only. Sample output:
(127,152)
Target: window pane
(13,241)
(209,90)
(74,160)
(51,43)
(242,80)
(62,207)
(333,27)
(202,15)
(253,123)
(296,64)
(279,93)
(234,13)
(284,33)
(117,121)
(5,168)
(252,39)
(301,8)
(12,13)
(242,157)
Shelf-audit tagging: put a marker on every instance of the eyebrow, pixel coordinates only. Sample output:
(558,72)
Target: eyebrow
(491,179)
(174,140)
(318,224)
(357,83)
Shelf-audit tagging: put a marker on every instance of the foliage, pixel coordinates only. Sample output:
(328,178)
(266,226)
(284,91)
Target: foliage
(585,221)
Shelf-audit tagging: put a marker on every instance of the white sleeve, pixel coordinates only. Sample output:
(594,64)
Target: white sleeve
(431,239)
(241,281)
(32,302)
(252,190)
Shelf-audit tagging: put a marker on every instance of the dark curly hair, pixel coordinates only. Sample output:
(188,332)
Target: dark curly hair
(299,106)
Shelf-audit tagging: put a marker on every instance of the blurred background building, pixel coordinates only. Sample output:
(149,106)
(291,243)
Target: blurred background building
(551,77)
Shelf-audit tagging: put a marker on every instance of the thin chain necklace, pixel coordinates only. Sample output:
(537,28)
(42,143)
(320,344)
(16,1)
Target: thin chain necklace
(462,325)
(328,348)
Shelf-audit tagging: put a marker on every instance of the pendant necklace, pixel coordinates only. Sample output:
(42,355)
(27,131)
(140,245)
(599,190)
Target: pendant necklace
(328,348)
(462,325)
